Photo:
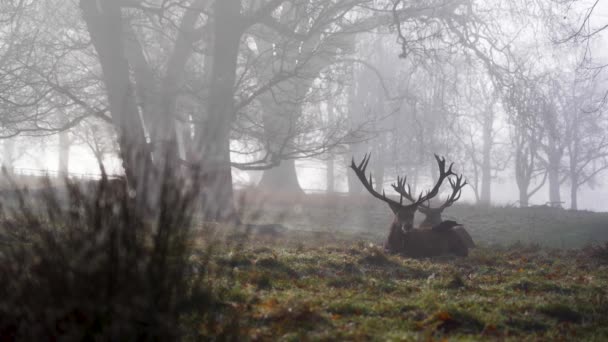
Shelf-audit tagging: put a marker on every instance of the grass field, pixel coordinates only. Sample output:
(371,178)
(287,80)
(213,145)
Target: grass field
(322,275)
(327,278)
(321,287)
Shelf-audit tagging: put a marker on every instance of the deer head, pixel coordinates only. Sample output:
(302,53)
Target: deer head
(404,214)
(433,215)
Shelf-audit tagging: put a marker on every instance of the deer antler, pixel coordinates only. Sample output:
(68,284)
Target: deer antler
(443,174)
(456,186)
(400,189)
(368,184)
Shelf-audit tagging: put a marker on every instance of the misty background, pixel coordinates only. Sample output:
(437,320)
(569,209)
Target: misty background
(307,101)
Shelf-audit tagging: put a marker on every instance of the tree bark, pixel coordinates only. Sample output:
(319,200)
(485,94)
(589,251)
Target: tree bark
(213,133)
(282,113)
(523,198)
(104,23)
(279,120)
(282,178)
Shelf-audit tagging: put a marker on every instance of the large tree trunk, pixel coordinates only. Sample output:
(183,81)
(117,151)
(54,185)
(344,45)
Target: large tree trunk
(523,198)
(282,178)
(104,23)
(279,120)
(213,134)
(280,115)
(159,101)
(218,196)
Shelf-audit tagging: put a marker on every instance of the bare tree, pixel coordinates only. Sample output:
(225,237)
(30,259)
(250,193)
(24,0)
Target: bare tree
(34,71)
(523,103)
(587,149)
(99,137)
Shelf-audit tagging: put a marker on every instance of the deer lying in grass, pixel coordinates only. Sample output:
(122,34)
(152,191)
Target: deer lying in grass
(433,219)
(403,238)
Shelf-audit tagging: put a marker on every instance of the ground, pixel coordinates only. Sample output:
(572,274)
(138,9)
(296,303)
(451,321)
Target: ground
(337,285)
(317,271)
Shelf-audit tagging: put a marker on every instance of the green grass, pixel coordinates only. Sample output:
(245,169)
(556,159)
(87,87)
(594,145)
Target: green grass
(347,288)
(328,278)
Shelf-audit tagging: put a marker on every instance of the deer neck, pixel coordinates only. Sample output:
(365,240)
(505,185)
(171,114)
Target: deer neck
(396,238)
(433,218)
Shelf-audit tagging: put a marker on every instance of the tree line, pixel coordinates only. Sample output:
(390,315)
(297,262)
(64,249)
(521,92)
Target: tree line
(506,90)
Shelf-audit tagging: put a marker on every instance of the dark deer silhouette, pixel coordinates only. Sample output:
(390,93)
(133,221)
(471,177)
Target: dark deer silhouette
(433,219)
(403,238)
(404,214)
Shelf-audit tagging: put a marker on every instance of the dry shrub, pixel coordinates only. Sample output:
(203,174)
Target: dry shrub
(88,264)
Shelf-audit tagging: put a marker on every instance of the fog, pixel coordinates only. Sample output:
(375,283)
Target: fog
(303,170)
(513,94)
(312,177)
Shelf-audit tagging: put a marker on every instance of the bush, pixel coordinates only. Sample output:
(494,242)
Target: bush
(86,263)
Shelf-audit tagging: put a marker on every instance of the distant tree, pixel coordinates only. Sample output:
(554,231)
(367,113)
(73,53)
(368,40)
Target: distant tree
(14,149)
(223,30)
(34,75)
(523,102)
(99,137)
(476,130)
(587,149)
(552,111)
(291,126)
(584,29)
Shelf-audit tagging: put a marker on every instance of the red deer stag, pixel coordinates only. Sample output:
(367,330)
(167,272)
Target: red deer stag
(433,219)
(403,238)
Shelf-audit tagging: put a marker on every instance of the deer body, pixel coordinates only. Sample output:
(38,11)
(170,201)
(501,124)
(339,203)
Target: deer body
(418,243)
(464,237)
(424,243)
